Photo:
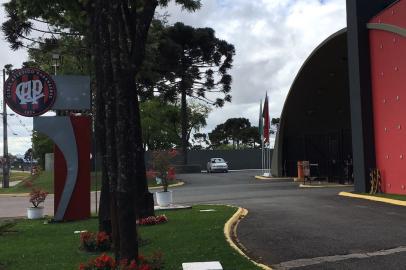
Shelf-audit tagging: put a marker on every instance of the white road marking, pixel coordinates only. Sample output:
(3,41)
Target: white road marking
(336,258)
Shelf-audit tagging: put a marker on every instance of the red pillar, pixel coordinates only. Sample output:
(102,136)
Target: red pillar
(79,204)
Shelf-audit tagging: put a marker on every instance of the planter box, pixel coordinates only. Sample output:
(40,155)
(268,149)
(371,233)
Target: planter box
(164,199)
(35,212)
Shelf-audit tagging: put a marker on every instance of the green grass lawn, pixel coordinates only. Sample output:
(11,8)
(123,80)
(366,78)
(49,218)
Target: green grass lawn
(17,176)
(189,235)
(45,181)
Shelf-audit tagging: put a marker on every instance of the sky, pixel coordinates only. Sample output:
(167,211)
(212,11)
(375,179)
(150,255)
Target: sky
(272,39)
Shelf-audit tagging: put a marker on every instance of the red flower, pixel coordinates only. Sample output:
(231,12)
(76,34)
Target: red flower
(152,220)
(145,267)
(133,265)
(102,237)
(171,174)
(151,174)
(104,261)
(173,153)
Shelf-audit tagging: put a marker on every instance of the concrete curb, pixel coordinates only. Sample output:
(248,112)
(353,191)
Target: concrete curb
(181,183)
(230,230)
(8,195)
(323,186)
(373,198)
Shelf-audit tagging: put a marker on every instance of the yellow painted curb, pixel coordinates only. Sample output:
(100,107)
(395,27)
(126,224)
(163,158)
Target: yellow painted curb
(323,186)
(259,177)
(262,177)
(373,198)
(181,183)
(230,228)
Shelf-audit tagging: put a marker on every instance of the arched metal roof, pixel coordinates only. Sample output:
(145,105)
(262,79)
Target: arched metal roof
(318,100)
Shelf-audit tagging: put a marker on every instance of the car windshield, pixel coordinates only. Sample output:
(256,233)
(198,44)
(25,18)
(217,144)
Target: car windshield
(217,160)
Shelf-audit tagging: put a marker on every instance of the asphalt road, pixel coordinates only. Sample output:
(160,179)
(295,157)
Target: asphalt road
(294,228)
(288,227)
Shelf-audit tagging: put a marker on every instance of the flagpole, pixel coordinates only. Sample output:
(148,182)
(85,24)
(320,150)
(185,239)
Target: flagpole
(263,154)
(269,158)
(266,127)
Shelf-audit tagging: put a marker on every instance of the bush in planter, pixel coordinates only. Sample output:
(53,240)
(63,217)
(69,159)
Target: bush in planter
(37,196)
(105,262)
(161,166)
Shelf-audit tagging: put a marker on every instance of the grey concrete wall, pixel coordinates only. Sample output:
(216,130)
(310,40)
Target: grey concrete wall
(237,159)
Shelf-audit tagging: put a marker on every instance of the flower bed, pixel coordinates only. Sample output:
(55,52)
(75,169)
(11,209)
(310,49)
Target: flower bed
(105,262)
(152,220)
(92,242)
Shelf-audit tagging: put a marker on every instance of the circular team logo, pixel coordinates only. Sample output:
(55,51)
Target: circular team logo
(30,92)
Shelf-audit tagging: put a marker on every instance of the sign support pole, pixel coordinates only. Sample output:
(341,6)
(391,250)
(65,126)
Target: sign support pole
(5,141)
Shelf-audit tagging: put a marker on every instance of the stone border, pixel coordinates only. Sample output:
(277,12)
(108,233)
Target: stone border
(181,183)
(230,232)
(373,198)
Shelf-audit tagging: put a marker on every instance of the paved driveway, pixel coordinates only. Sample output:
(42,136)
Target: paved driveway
(292,228)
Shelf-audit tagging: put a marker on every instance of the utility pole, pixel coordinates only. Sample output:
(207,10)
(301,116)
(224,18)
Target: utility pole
(5,141)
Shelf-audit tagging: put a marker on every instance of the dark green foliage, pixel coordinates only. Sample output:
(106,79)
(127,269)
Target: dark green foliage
(159,134)
(200,141)
(41,145)
(195,61)
(235,130)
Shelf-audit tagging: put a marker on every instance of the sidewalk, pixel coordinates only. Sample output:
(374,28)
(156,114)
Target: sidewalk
(11,184)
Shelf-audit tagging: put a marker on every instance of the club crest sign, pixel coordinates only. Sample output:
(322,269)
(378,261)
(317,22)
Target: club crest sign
(30,92)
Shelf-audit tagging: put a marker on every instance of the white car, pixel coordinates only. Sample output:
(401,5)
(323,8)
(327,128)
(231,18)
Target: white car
(217,165)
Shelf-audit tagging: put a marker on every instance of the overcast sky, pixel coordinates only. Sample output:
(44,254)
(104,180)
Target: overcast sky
(272,39)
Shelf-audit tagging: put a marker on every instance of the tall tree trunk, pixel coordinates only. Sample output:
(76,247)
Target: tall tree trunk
(104,206)
(122,36)
(145,200)
(184,124)
(124,134)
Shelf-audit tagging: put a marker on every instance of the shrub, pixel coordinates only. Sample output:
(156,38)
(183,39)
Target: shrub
(105,262)
(95,242)
(37,196)
(152,220)
(161,166)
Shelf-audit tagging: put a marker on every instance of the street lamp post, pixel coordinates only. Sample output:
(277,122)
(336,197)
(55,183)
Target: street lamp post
(56,57)
(5,141)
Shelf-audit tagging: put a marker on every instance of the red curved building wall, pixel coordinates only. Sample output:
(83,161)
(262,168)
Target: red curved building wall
(79,204)
(388,73)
